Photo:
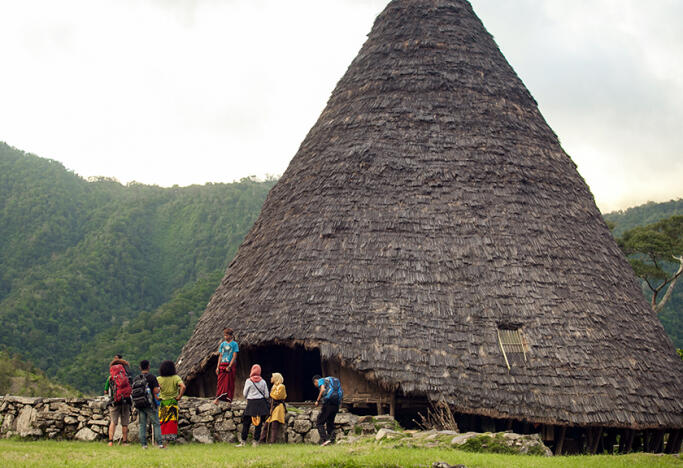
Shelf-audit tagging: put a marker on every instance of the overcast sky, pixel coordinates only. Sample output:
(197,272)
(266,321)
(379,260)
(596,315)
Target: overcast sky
(186,92)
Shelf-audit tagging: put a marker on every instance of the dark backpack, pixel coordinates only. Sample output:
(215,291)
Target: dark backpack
(119,385)
(334,393)
(141,393)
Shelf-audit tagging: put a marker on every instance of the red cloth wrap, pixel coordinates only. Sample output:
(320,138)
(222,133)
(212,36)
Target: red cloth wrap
(225,387)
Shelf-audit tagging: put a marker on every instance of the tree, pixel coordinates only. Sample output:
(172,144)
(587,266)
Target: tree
(653,252)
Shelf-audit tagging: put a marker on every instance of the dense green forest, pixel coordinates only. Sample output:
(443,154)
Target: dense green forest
(93,268)
(642,215)
(82,260)
(671,315)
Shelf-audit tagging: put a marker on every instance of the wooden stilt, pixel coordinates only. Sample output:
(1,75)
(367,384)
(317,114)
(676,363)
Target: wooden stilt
(201,387)
(658,442)
(560,440)
(392,405)
(630,435)
(647,441)
(636,441)
(586,441)
(673,445)
(610,440)
(595,439)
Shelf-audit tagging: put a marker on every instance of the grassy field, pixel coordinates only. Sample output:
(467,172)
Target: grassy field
(52,453)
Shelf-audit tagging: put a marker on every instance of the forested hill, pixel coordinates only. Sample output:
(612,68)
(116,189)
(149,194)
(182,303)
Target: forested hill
(671,315)
(80,261)
(89,269)
(642,215)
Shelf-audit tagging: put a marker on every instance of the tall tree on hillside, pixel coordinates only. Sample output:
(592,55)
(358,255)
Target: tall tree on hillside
(653,252)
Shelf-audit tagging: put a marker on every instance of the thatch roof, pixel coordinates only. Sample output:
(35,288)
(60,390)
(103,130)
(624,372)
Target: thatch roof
(429,206)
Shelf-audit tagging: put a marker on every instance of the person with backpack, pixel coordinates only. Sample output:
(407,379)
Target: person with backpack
(126,366)
(145,394)
(331,394)
(172,390)
(118,388)
(256,393)
(225,368)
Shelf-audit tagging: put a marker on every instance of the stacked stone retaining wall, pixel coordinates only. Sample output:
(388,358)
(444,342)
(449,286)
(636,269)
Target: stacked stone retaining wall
(199,420)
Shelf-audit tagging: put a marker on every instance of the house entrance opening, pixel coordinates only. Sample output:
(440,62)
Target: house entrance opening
(296,364)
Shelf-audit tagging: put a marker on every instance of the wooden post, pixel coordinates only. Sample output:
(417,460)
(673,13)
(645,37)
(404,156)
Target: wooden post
(674,443)
(597,435)
(626,440)
(610,440)
(632,438)
(380,408)
(392,405)
(659,442)
(647,440)
(560,440)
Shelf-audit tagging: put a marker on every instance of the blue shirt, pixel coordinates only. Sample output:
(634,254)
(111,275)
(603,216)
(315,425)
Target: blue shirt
(226,350)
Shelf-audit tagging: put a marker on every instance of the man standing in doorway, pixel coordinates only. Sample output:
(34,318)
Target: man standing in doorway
(331,395)
(225,368)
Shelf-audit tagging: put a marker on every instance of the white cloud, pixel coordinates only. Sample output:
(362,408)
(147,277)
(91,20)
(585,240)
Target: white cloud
(183,91)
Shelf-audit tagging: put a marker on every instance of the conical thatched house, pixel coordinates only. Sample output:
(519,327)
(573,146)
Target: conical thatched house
(432,241)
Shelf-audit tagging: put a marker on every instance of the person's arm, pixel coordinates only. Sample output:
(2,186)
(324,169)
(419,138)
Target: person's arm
(320,395)
(181,390)
(218,362)
(106,386)
(233,360)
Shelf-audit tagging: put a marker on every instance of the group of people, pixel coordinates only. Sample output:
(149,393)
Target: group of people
(269,418)
(156,399)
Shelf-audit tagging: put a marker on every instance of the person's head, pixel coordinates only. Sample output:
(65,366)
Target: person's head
(144,365)
(276,378)
(316,377)
(118,356)
(167,369)
(255,370)
(228,334)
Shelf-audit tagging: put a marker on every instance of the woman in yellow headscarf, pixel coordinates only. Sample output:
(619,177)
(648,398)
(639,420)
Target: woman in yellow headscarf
(276,420)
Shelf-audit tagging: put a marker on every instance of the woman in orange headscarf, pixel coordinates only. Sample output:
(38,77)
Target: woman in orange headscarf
(256,393)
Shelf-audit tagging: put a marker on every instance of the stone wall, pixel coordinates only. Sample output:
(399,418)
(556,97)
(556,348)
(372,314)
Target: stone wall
(199,420)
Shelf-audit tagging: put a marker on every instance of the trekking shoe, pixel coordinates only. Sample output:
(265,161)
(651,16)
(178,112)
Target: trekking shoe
(144,447)
(111,443)
(161,446)
(327,442)
(241,444)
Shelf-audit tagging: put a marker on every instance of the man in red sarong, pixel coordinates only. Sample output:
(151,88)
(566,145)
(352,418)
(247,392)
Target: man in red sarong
(225,368)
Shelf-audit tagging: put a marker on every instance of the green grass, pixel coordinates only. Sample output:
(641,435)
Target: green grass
(53,453)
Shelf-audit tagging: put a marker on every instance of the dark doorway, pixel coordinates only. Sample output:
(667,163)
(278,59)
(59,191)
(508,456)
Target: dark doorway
(296,364)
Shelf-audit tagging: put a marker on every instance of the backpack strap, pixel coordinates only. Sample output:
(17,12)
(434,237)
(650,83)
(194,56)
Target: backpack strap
(258,389)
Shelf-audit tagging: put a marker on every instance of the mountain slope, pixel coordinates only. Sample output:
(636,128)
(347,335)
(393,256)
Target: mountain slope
(78,258)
